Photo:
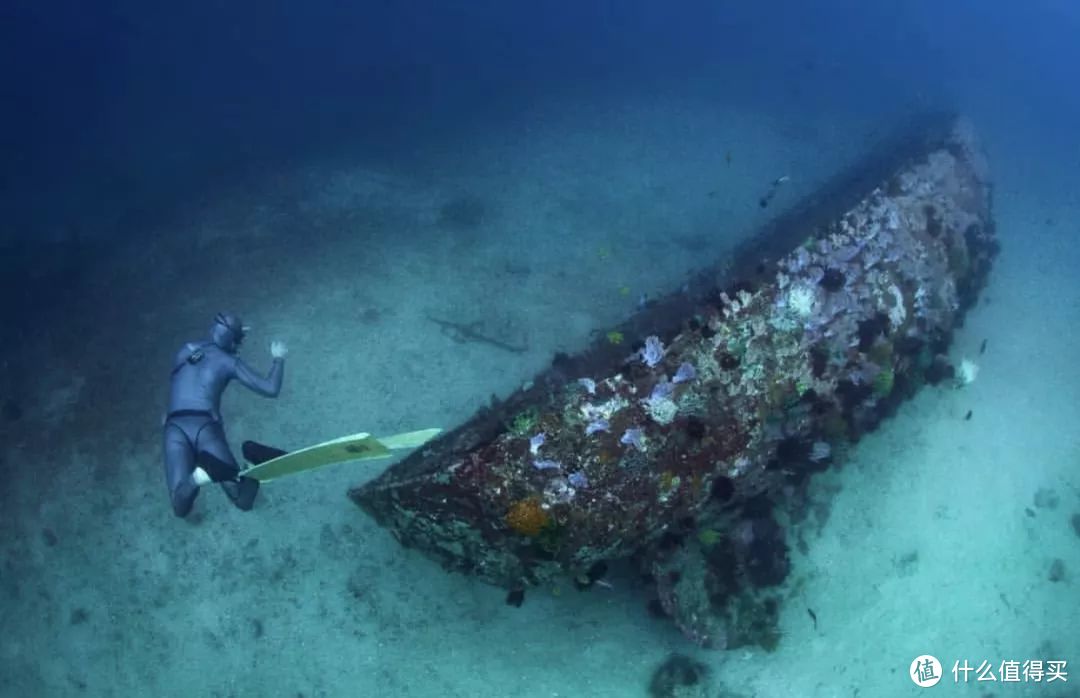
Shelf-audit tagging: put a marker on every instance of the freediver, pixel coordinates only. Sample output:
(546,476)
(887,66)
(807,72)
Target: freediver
(196,449)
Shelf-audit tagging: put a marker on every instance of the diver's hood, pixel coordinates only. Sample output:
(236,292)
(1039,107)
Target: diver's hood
(228,332)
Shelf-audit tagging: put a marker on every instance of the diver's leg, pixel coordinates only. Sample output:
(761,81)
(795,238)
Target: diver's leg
(241,491)
(179,466)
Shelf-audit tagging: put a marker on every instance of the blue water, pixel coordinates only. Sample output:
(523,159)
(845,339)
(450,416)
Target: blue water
(338,173)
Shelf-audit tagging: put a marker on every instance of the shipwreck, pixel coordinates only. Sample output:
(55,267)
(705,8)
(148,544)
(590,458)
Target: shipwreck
(674,448)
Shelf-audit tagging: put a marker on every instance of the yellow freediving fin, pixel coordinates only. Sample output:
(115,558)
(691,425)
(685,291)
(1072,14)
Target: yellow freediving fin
(362,446)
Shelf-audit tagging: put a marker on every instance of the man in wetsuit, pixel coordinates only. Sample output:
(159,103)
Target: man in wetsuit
(196,450)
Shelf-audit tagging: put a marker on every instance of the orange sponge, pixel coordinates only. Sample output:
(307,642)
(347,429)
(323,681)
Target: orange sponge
(527,517)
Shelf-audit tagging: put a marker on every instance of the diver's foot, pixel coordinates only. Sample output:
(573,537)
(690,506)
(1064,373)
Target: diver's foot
(256,453)
(216,469)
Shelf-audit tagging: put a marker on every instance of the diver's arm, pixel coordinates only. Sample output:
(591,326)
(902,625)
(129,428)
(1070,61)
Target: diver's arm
(270,384)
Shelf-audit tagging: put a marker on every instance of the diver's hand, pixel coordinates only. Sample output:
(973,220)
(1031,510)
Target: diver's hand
(278,350)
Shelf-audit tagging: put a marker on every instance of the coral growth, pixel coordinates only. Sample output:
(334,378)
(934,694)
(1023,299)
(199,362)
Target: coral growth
(527,517)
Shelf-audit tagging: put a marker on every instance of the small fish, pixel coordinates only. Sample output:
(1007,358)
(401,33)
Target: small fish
(967,417)
(813,616)
(547,465)
(595,575)
(764,201)
(982,347)
(727,158)
(515,598)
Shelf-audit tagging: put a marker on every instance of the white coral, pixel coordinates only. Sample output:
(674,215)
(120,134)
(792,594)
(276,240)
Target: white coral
(603,411)
(802,300)
(662,410)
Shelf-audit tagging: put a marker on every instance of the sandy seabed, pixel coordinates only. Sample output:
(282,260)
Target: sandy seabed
(938,537)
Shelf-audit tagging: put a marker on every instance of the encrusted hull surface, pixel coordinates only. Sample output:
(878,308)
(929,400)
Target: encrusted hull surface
(755,375)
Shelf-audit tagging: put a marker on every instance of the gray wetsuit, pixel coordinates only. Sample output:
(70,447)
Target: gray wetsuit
(193,431)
